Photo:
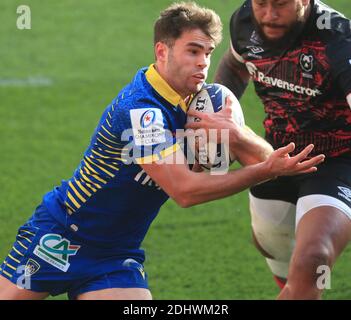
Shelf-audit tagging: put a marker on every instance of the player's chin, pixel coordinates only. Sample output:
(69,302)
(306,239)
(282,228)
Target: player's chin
(196,85)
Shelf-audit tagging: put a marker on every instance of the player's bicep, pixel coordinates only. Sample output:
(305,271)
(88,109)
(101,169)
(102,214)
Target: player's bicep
(169,172)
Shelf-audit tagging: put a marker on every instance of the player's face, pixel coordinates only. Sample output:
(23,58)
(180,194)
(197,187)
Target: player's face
(276,18)
(188,61)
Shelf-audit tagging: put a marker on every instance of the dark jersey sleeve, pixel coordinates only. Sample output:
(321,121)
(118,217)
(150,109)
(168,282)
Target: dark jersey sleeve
(339,53)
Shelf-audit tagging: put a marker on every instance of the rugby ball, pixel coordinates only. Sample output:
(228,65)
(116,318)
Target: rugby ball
(208,153)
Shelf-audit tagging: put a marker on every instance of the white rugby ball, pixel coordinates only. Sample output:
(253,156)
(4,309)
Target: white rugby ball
(209,154)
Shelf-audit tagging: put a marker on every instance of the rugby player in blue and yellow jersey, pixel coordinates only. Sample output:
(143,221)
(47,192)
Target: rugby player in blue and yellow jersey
(85,236)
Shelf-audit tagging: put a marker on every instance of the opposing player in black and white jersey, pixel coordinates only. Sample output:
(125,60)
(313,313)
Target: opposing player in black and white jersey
(298,54)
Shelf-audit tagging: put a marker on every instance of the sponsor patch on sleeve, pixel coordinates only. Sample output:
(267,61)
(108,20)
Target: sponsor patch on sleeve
(148,126)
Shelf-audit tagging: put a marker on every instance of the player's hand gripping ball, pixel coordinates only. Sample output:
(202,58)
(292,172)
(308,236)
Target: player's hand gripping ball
(208,152)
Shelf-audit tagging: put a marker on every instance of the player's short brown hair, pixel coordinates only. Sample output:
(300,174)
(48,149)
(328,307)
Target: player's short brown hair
(185,16)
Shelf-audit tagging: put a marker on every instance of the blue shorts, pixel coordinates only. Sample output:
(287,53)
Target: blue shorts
(48,258)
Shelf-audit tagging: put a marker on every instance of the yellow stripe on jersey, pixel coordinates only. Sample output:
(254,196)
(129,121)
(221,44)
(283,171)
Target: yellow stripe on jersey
(22,245)
(14,259)
(32,234)
(88,181)
(70,209)
(74,201)
(96,176)
(113,136)
(5,272)
(30,241)
(100,155)
(155,157)
(148,159)
(108,165)
(82,188)
(108,123)
(80,197)
(165,153)
(87,164)
(12,267)
(93,175)
(107,145)
(104,170)
(112,152)
(101,135)
(14,249)
(107,157)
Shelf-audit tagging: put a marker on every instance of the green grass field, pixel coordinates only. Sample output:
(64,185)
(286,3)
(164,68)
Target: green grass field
(55,81)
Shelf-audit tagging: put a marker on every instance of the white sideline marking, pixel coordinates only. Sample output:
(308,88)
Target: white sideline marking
(26,82)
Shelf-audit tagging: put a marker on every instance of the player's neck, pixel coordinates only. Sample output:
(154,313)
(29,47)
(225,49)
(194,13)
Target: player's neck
(161,69)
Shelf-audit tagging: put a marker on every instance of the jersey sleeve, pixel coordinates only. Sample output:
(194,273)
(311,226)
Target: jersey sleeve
(339,53)
(146,131)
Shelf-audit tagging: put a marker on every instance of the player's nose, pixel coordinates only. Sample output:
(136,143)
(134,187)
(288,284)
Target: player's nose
(270,13)
(204,61)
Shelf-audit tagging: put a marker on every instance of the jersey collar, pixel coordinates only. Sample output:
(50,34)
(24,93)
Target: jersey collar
(163,88)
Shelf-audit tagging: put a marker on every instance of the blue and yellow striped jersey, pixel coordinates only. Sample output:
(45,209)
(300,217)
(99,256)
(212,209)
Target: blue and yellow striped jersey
(110,201)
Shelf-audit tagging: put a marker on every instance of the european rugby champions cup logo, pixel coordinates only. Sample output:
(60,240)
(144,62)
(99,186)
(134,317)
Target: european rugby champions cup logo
(56,251)
(148,118)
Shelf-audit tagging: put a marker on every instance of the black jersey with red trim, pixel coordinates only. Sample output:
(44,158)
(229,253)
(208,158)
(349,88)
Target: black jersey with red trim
(303,84)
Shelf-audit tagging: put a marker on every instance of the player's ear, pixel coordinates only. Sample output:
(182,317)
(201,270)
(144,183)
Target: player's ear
(161,51)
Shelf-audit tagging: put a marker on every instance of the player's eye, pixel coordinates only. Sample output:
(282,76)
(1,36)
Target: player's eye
(193,51)
(261,3)
(281,3)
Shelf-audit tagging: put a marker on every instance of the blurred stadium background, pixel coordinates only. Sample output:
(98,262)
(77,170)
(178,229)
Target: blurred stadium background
(55,81)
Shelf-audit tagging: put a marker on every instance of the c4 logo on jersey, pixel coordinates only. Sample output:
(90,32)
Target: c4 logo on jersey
(56,251)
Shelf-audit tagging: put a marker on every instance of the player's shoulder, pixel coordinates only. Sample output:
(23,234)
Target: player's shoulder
(242,15)
(135,100)
(242,29)
(333,30)
(138,94)
(330,25)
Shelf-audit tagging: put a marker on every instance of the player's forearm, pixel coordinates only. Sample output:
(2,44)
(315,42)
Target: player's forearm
(232,75)
(203,187)
(248,147)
